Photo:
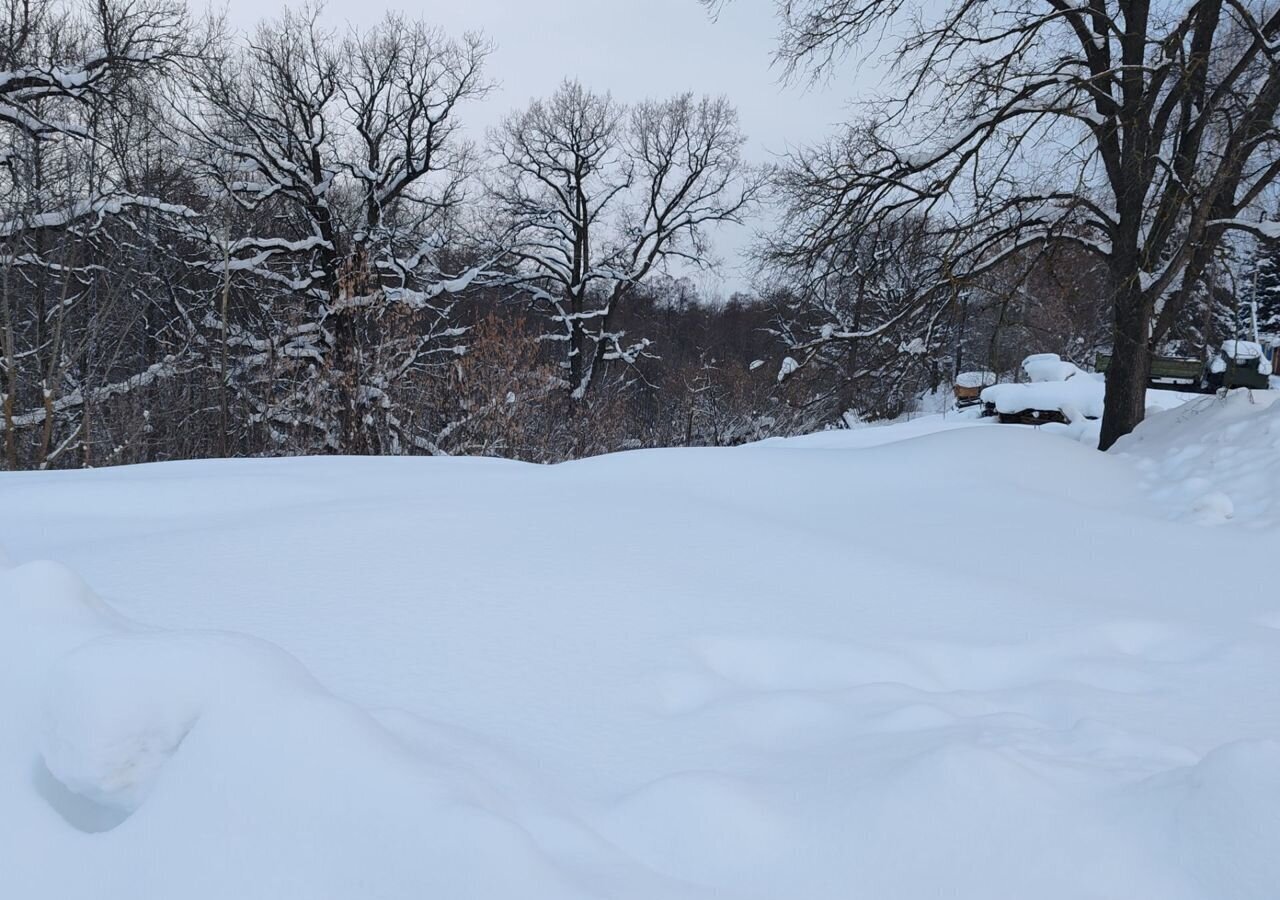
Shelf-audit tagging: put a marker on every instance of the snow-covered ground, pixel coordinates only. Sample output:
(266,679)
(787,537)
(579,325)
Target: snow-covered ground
(940,658)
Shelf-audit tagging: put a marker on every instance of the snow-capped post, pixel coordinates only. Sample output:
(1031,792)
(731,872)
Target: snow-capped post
(601,195)
(1139,135)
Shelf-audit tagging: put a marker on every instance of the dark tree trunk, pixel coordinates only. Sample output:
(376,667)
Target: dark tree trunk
(353,284)
(577,350)
(347,362)
(1130,368)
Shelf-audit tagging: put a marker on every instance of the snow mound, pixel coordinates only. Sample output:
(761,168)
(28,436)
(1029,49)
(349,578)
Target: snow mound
(211,765)
(119,706)
(50,593)
(1214,459)
(1041,367)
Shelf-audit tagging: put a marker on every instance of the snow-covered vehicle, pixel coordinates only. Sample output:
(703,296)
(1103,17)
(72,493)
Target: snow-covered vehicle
(1239,364)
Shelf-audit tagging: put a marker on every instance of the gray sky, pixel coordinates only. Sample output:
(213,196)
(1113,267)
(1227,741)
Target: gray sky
(634,49)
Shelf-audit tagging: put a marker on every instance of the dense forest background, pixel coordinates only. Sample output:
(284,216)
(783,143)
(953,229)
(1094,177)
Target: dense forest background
(288,242)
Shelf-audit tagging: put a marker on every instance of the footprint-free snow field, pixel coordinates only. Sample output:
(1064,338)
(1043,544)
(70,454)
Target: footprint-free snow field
(934,659)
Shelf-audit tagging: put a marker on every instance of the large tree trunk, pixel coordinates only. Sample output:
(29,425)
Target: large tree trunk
(347,362)
(1130,369)
(353,286)
(577,341)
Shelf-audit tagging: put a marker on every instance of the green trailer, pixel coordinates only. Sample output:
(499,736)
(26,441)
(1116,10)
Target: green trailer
(1179,373)
(1168,373)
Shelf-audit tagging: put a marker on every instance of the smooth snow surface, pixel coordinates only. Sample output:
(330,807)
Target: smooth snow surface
(940,658)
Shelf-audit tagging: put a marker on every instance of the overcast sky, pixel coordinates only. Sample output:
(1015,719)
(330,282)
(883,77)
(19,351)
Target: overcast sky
(632,48)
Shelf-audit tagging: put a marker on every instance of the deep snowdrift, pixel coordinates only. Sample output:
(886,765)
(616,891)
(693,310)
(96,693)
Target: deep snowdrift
(1215,459)
(985,663)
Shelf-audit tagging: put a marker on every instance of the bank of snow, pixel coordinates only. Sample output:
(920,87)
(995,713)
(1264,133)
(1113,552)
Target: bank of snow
(1214,458)
(940,658)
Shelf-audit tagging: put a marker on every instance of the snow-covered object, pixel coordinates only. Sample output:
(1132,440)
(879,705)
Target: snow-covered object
(384,678)
(1048,367)
(1079,398)
(975,379)
(788,367)
(1241,352)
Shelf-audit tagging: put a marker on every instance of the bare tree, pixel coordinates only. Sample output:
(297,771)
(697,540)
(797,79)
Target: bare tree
(73,104)
(600,196)
(872,310)
(346,154)
(1136,132)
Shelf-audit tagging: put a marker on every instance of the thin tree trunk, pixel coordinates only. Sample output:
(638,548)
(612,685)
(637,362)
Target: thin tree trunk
(53,375)
(223,423)
(11,377)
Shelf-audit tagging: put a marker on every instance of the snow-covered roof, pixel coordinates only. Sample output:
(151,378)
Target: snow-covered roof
(975,379)
(1243,352)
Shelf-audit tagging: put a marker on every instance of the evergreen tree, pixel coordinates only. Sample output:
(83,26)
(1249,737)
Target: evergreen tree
(1266,288)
